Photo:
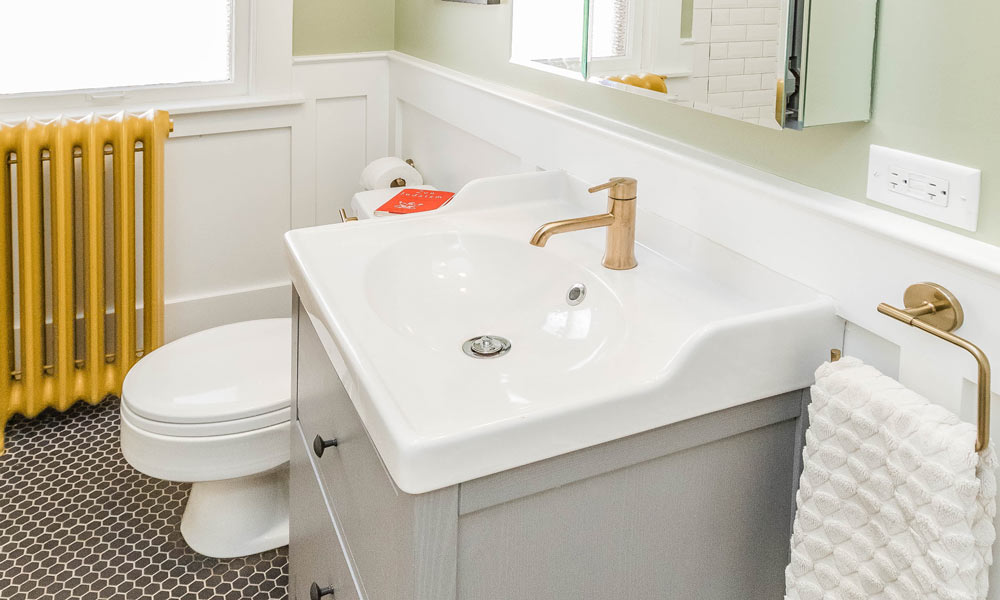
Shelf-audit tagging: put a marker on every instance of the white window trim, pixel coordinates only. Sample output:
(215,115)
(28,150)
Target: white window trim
(665,51)
(630,61)
(262,63)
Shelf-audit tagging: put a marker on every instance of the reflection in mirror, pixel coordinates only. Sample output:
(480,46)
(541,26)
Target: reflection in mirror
(719,56)
(550,35)
(776,63)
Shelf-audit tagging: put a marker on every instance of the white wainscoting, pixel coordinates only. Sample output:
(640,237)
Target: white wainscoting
(449,157)
(240,176)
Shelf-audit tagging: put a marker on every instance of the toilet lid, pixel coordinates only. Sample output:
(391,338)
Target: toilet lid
(221,374)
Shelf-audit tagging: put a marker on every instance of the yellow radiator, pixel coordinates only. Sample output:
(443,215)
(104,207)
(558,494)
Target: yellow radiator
(62,337)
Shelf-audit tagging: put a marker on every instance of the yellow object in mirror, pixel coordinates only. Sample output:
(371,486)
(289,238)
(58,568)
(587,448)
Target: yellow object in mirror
(634,80)
(654,82)
(646,81)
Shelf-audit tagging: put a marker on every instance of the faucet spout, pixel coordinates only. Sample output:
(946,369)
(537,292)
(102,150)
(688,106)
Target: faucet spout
(620,221)
(548,230)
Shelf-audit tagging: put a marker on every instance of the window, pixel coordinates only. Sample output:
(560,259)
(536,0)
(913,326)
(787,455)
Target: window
(549,34)
(61,53)
(58,45)
(609,28)
(576,37)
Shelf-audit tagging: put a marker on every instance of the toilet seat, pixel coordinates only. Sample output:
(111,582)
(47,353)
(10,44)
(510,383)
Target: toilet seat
(229,379)
(268,419)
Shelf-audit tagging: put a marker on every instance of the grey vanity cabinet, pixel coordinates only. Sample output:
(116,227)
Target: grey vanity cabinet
(696,510)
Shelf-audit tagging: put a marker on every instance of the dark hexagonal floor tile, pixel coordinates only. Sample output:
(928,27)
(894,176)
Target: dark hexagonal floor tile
(77,522)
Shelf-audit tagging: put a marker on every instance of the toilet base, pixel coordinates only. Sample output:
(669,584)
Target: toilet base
(238,517)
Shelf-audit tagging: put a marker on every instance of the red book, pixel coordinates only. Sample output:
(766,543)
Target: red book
(413,201)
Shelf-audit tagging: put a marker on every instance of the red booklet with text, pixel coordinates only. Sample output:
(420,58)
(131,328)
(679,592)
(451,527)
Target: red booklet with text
(413,201)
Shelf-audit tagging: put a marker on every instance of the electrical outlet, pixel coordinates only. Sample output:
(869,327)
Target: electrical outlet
(924,186)
(918,185)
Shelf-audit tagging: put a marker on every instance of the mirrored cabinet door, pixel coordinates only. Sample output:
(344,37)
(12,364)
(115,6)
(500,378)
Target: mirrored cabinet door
(829,62)
(774,63)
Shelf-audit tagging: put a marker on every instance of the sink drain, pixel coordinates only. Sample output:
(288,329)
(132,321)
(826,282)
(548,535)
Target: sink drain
(486,346)
(576,293)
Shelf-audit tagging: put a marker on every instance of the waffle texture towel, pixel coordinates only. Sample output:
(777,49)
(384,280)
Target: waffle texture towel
(893,503)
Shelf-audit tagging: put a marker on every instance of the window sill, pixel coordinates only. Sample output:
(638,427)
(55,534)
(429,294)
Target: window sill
(177,107)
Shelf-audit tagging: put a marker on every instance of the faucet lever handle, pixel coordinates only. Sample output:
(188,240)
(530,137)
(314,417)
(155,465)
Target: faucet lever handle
(622,188)
(604,186)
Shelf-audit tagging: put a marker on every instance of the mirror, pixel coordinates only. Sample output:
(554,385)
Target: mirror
(774,63)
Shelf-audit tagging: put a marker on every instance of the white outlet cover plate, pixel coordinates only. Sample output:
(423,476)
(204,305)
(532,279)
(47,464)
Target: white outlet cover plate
(960,184)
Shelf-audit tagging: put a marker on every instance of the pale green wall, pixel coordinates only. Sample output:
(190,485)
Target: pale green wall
(937,93)
(333,26)
(687,17)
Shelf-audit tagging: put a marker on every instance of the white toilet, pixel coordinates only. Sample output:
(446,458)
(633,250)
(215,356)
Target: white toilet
(212,408)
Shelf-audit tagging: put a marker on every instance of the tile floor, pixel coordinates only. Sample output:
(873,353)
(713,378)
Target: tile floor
(77,522)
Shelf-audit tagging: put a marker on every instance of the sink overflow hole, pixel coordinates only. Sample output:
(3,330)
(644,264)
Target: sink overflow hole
(577,292)
(486,346)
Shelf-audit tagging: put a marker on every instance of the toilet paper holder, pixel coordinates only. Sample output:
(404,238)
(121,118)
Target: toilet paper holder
(399,181)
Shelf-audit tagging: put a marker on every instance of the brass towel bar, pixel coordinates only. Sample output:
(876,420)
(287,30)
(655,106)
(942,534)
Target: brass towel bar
(934,309)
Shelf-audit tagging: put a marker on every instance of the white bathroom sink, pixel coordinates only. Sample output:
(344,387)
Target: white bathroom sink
(439,289)
(679,336)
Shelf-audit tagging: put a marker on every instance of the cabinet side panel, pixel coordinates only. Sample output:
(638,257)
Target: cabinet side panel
(618,454)
(640,533)
(435,542)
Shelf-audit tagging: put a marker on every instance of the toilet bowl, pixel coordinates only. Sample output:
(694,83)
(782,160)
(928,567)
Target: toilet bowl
(212,409)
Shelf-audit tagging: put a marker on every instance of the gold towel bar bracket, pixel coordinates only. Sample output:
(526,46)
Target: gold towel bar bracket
(932,308)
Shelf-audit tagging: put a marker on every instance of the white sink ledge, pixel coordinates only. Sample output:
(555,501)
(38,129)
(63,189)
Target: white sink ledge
(693,330)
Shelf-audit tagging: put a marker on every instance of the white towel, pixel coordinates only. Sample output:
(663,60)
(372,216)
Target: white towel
(894,503)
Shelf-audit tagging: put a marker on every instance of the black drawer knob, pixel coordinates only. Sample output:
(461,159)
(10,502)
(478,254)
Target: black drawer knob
(320,445)
(316,592)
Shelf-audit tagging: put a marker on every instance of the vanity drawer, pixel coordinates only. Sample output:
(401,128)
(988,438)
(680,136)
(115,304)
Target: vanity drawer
(363,498)
(316,553)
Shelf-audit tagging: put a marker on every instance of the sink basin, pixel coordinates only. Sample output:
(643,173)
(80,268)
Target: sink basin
(394,300)
(438,290)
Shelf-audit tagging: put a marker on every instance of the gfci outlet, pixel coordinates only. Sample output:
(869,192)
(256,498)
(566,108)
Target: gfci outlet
(924,186)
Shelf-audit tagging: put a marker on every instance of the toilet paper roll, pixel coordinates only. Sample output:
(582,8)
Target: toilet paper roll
(381,173)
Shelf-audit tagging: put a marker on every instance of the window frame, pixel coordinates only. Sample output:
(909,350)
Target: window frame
(631,60)
(516,58)
(261,64)
(680,60)
(617,64)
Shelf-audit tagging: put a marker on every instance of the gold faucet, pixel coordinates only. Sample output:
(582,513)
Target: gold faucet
(620,221)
